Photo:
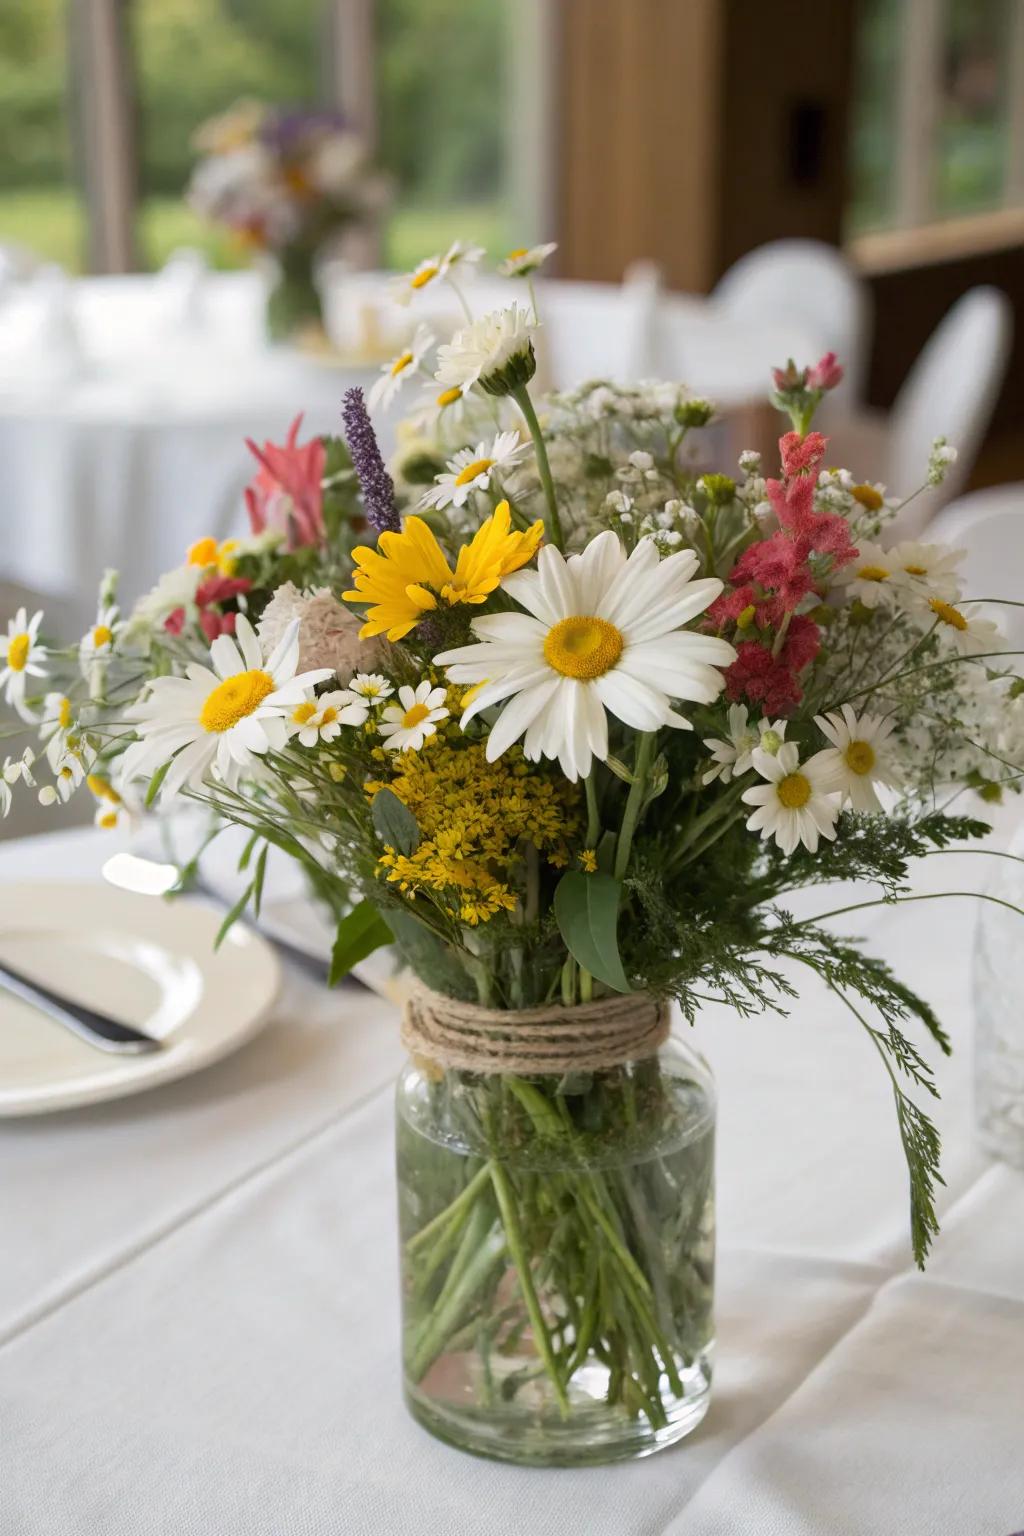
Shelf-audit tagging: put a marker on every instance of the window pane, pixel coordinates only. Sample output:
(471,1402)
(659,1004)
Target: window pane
(874,116)
(972,135)
(39,206)
(195,58)
(443,84)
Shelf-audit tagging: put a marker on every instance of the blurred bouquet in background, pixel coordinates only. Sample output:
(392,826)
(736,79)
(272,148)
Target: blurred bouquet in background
(288,181)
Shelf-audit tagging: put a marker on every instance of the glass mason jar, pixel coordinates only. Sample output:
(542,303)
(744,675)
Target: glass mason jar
(998,989)
(294,305)
(557,1251)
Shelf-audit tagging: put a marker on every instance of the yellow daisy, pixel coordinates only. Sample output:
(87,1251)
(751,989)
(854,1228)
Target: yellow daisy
(407,574)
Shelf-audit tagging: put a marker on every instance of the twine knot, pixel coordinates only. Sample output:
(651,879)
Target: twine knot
(587,1037)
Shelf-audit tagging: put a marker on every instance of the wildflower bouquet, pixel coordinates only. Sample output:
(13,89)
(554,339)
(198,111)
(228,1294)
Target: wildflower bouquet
(564,721)
(286,181)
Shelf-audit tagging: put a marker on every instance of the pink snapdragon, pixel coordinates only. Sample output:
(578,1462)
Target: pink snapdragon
(287,492)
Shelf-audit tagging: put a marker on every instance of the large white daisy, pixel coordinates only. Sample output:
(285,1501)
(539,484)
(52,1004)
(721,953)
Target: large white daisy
(22,657)
(471,469)
(859,757)
(798,804)
(398,370)
(220,720)
(602,632)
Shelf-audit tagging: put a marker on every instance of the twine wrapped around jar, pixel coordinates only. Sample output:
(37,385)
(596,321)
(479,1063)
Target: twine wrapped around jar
(491,1041)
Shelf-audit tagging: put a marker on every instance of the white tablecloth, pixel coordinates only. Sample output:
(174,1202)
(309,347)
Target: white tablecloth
(198,1295)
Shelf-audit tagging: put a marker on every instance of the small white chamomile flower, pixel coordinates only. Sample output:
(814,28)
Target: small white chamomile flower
(798,803)
(21,657)
(734,756)
(471,469)
(859,756)
(406,725)
(525,261)
(397,371)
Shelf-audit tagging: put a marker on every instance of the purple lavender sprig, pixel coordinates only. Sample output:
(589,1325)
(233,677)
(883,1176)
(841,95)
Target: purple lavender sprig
(376,484)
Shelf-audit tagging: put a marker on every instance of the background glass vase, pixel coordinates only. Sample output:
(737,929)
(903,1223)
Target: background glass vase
(999,1014)
(557,1247)
(294,306)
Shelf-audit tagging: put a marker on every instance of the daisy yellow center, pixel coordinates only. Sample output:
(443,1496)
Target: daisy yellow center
(400,364)
(422,278)
(415,716)
(794,791)
(874,573)
(235,698)
(449,396)
(860,757)
(867,496)
(478,467)
(947,613)
(329,716)
(17,653)
(102,635)
(583,647)
(916,570)
(64,714)
(108,821)
(303,712)
(517,254)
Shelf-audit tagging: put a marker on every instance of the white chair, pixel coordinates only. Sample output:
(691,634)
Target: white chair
(989,525)
(814,285)
(951,391)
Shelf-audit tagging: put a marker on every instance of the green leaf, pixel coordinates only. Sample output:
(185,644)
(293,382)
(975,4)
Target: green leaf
(257,880)
(246,854)
(232,917)
(587,911)
(156,781)
(394,823)
(358,935)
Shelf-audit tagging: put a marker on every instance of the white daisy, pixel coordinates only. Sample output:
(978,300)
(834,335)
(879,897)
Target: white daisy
(495,351)
(6,798)
(859,756)
(970,634)
(602,631)
(22,657)
(222,720)
(68,775)
(316,720)
(98,641)
(733,756)
(927,570)
(798,803)
(406,725)
(471,469)
(433,269)
(869,577)
(525,260)
(434,406)
(370,686)
(397,372)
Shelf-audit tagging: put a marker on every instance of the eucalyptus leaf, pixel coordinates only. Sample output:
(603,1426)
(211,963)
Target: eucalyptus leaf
(359,933)
(394,823)
(587,912)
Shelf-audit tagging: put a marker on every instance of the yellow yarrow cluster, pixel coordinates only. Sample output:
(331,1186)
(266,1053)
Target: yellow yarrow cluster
(473,818)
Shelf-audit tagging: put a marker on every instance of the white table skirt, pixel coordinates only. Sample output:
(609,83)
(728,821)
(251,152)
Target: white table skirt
(198,1295)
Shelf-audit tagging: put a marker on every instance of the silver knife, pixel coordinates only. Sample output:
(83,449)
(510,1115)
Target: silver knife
(97,1028)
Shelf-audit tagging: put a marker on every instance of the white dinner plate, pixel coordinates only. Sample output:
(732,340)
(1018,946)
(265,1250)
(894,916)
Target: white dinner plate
(145,961)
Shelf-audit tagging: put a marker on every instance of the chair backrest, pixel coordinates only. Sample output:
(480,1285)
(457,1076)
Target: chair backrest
(989,525)
(813,284)
(950,391)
